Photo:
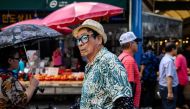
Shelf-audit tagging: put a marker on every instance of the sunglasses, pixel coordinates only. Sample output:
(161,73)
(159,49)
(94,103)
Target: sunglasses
(16,58)
(83,39)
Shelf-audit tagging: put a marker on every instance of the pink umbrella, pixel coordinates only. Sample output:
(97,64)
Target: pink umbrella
(63,30)
(78,12)
(30,21)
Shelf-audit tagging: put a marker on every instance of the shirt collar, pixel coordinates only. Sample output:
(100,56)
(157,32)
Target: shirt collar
(127,53)
(170,56)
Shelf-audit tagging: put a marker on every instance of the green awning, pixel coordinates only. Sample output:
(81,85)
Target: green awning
(51,4)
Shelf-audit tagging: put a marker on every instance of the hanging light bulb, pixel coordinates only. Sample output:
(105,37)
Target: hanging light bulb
(177,43)
(161,42)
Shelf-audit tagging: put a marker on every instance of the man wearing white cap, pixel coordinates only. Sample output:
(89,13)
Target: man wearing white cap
(128,42)
(105,85)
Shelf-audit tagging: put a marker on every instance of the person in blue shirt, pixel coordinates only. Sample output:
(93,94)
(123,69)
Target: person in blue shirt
(168,80)
(21,64)
(148,71)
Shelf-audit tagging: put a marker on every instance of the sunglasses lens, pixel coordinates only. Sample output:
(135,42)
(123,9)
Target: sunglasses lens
(84,39)
(16,59)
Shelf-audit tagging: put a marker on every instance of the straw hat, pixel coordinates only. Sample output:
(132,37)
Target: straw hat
(92,24)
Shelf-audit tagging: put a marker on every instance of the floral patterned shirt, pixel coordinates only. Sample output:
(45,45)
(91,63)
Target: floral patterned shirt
(105,81)
(12,94)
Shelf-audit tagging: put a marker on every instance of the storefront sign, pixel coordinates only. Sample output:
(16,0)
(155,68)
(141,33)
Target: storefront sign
(56,4)
(13,18)
(10,17)
(52,4)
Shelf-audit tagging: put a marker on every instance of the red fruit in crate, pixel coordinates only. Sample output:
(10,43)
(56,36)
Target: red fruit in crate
(62,78)
(61,71)
(71,77)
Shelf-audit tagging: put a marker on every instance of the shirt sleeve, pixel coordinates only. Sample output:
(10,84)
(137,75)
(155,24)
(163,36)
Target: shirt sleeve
(115,78)
(15,92)
(169,69)
(129,66)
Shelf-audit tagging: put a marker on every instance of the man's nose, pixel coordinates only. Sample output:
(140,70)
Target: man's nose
(80,43)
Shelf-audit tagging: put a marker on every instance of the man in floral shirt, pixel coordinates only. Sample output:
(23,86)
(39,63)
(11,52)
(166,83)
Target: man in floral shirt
(105,85)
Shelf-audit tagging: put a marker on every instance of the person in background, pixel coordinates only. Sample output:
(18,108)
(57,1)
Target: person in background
(148,72)
(181,66)
(128,42)
(21,64)
(81,62)
(162,48)
(57,57)
(168,80)
(105,84)
(12,94)
(186,53)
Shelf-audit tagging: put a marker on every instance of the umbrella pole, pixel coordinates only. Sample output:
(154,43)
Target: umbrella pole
(25,52)
(30,69)
(39,47)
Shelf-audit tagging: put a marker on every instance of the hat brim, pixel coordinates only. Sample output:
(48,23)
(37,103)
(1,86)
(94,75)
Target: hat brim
(75,31)
(138,40)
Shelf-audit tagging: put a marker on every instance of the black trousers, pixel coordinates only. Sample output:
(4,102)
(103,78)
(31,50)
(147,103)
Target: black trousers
(180,96)
(148,93)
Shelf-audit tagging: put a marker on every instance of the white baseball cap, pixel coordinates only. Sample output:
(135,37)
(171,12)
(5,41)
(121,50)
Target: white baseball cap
(96,26)
(128,37)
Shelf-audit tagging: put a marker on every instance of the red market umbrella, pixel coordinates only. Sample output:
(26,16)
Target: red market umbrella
(30,21)
(80,11)
(63,30)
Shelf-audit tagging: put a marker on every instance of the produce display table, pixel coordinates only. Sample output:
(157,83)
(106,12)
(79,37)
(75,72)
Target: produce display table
(58,87)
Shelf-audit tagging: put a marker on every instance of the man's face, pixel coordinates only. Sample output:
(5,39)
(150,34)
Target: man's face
(134,46)
(86,42)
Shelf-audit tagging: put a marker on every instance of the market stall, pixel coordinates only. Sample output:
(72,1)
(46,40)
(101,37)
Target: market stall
(61,82)
(58,87)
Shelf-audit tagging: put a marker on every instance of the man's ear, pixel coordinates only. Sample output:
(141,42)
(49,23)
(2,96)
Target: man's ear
(100,39)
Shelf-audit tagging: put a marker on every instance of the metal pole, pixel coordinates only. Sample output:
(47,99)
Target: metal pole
(130,15)
(136,19)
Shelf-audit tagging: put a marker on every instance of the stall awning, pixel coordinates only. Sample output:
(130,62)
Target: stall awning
(50,4)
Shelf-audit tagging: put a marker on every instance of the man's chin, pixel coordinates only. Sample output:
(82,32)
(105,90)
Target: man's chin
(83,54)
